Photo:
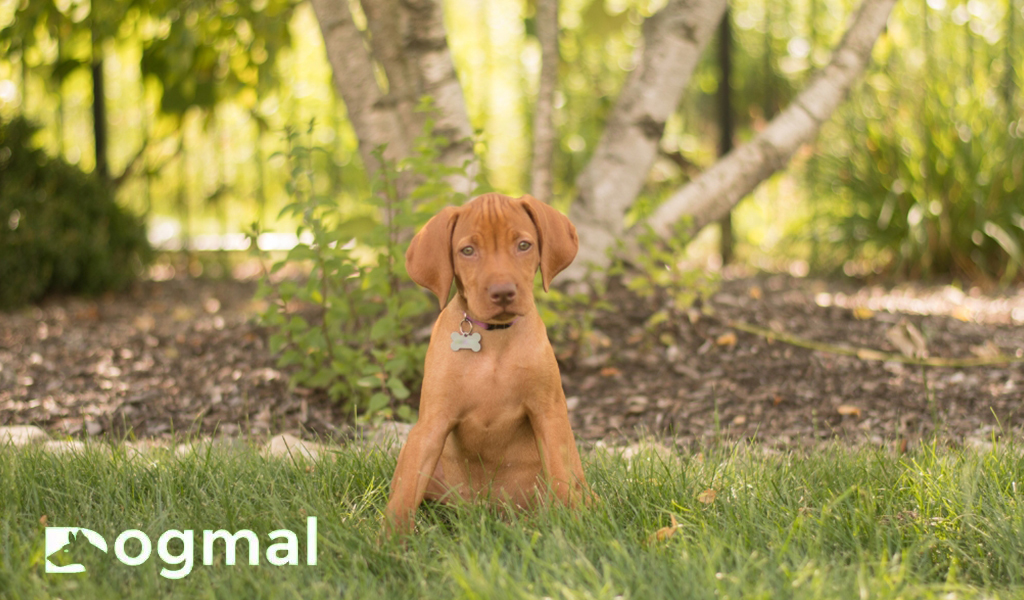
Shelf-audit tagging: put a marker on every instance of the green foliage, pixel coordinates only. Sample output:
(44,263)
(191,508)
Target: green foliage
(923,172)
(60,228)
(660,269)
(349,327)
(214,50)
(570,315)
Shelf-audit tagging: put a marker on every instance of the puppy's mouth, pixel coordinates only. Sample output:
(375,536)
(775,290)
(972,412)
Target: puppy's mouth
(503,317)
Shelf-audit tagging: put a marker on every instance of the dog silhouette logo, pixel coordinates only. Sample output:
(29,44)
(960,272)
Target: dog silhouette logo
(61,540)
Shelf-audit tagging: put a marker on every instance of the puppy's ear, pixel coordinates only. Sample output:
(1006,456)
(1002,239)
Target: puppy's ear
(558,240)
(429,257)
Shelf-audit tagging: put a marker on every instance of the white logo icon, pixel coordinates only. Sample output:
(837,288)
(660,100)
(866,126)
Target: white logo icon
(59,539)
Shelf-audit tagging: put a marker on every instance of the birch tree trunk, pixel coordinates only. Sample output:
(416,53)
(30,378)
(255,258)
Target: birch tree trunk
(622,162)
(408,41)
(541,171)
(718,189)
(673,40)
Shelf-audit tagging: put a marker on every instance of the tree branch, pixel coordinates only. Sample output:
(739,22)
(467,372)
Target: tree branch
(717,190)
(673,40)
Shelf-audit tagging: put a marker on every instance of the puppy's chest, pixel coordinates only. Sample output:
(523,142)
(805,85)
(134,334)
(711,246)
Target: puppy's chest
(492,383)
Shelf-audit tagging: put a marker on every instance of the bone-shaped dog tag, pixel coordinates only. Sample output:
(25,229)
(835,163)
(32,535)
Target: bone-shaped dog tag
(469,341)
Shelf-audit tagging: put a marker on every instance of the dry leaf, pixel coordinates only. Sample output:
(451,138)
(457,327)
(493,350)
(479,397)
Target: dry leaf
(665,532)
(182,313)
(144,322)
(755,292)
(987,350)
(908,339)
(707,496)
(610,372)
(961,313)
(863,313)
(726,339)
(42,520)
(739,420)
(849,410)
(869,354)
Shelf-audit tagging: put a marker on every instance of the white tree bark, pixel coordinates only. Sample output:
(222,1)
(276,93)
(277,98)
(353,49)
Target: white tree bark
(425,42)
(673,40)
(717,190)
(407,39)
(374,121)
(541,171)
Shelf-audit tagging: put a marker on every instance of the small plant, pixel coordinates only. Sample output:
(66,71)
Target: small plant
(349,328)
(569,317)
(60,228)
(659,270)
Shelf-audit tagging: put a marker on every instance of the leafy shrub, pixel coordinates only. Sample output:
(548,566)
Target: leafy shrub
(60,228)
(358,341)
(661,273)
(922,173)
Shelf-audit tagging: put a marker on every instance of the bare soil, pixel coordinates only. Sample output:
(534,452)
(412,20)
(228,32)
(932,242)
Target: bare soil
(184,357)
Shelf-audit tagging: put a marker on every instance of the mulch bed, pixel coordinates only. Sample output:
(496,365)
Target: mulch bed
(183,357)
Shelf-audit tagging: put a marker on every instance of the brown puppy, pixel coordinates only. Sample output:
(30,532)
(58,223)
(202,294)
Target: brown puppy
(493,423)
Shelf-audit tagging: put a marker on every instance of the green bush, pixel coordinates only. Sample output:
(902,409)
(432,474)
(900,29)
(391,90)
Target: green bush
(349,326)
(60,229)
(922,173)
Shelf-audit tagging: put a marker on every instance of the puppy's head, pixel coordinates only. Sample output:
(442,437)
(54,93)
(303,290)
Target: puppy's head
(491,247)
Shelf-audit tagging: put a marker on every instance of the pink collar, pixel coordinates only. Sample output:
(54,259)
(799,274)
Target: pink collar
(483,325)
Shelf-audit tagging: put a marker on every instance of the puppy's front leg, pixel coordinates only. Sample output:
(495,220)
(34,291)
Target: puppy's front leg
(416,464)
(550,422)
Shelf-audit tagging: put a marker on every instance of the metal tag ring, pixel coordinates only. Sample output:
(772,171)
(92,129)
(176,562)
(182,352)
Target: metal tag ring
(465,319)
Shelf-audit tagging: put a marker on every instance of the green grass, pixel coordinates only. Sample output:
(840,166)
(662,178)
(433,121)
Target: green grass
(833,524)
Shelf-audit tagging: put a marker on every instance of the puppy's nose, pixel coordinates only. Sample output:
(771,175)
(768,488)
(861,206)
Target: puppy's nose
(502,294)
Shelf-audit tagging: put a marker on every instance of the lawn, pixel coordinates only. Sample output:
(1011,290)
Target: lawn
(836,523)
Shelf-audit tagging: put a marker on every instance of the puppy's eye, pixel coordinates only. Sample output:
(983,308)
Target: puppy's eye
(467,251)
(524,246)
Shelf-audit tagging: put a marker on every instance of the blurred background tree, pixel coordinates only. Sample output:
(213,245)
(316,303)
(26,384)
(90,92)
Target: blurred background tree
(918,174)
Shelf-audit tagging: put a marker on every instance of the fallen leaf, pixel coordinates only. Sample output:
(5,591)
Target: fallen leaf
(665,532)
(869,354)
(89,312)
(849,410)
(144,322)
(42,520)
(961,313)
(908,339)
(610,372)
(987,350)
(707,496)
(755,292)
(739,420)
(181,313)
(863,313)
(726,339)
